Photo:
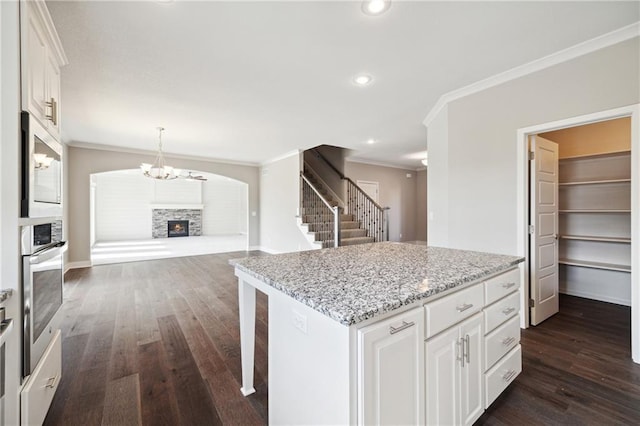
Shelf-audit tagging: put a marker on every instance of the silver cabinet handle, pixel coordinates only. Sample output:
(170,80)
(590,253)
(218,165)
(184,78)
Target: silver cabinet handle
(4,325)
(460,349)
(508,285)
(508,340)
(507,311)
(51,383)
(509,375)
(394,330)
(466,349)
(464,307)
(54,111)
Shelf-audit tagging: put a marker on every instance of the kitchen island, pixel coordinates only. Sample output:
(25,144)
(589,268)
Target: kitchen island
(352,331)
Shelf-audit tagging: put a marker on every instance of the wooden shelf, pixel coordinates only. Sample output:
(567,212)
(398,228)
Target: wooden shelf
(594,211)
(595,265)
(595,182)
(598,239)
(594,156)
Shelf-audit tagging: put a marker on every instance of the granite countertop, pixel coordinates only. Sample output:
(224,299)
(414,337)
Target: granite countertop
(353,283)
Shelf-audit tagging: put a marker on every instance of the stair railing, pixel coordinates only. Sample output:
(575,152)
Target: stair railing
(373,217)
(326,218)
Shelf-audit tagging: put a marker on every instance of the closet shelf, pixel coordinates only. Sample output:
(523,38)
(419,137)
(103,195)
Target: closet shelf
(596,265)
(598,239)
(596,156)
(593,211)
(595,182)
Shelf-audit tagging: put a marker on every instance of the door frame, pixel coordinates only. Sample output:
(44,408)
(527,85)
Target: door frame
(522,219)
(370,182)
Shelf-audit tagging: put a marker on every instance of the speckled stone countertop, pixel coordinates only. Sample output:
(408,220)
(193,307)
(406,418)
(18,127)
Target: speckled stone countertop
(353,283)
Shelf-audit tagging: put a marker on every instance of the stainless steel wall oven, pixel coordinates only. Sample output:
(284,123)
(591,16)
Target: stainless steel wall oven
(41,171)
(42,279)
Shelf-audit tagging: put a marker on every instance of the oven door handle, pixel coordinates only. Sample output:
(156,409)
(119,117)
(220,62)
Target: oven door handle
(49,253)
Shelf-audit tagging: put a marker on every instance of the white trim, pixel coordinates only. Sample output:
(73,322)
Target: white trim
(381,164)
(176,206)
(76,265)
(595,296)
(122,149)
(632,111)
(600,42)
(281,157)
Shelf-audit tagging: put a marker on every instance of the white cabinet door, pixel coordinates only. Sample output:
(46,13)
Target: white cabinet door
(53,97)
(471,386)
(390,371)
(454,388)
(34,64)
(443,355)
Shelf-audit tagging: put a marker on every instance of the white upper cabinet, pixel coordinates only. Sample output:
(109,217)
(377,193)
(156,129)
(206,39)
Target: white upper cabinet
(41,59)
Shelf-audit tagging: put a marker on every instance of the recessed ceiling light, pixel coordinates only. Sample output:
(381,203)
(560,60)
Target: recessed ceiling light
(375,7)
(362,79)
(371,141)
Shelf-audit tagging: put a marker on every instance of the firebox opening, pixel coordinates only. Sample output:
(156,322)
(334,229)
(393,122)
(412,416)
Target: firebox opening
(178,228)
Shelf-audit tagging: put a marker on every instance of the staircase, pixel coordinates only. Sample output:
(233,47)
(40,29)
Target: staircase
(318,222)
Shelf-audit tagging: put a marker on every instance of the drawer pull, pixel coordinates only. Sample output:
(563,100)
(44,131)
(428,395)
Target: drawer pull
(51,383)
(508,285)
(394,330)
(464,307)
(509,340)
(509,375)
(507,311)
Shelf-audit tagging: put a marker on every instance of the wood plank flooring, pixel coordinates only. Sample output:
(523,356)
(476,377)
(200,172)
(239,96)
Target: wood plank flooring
(158,343)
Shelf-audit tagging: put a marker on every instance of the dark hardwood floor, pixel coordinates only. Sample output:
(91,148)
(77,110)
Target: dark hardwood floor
(157,343)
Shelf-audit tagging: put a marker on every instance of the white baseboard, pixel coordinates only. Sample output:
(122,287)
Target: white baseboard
(594,296)
(265,249)
(76,265)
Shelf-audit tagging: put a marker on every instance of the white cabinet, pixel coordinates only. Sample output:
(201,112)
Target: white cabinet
(390,373)
(502,353)
(40,62)
(454,374)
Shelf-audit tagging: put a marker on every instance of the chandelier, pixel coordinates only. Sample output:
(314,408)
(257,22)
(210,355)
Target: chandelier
(159,170)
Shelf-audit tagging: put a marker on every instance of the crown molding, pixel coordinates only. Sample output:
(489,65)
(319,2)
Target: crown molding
(111,148)
(586,47)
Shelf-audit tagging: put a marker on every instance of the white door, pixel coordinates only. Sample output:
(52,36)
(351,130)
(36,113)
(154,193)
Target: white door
(370,188)
(543,210)
(471,388)
(443,355)
(391,372)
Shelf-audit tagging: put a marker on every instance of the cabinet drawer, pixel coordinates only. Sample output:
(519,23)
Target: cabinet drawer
(452,309)
(498,378)
(498,287)
(500,341)
(501,311)
(37,394)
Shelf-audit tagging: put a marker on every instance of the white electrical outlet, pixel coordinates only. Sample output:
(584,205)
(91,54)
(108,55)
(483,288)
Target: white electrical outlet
(299,321)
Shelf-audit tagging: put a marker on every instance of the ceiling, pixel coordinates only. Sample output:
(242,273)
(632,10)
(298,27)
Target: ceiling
(251,81)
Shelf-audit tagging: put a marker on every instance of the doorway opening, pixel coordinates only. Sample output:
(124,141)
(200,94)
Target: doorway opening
(136,218)
(579,213)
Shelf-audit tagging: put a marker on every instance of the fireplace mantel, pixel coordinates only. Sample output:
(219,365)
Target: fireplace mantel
(177,206)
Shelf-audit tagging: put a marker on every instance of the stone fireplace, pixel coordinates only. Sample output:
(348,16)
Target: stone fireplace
(176,222)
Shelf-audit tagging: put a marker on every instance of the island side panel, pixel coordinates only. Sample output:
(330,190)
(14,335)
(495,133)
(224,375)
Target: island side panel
(309,360)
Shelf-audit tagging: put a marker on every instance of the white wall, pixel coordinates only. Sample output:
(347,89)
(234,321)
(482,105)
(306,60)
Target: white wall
(9,199)
(472,144)
(123,210)
(225,206)
(438,170)
(124,201)
(279,204)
